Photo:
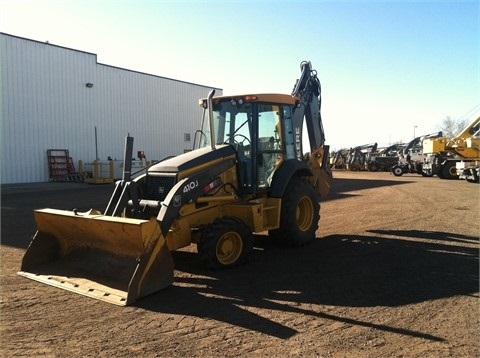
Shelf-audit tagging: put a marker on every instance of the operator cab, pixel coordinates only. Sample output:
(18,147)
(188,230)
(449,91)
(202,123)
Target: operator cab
(259,127)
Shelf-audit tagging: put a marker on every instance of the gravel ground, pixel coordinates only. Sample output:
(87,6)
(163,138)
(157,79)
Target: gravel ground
(394,272)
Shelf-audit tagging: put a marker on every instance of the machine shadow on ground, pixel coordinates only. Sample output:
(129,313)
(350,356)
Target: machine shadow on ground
(342,187)
(338,270)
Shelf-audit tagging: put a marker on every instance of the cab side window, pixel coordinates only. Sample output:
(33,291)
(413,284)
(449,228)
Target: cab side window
(269,143)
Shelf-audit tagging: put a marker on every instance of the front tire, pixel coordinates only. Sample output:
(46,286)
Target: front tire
(397,171)
(299,215)
(225,243)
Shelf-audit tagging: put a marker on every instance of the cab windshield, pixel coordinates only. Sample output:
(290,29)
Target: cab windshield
(231,121)
(234,120)
(254,129)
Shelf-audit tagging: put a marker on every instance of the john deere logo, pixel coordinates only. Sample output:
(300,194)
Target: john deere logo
(177,200)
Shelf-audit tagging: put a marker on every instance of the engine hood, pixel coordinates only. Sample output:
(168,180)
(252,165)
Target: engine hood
(193,159)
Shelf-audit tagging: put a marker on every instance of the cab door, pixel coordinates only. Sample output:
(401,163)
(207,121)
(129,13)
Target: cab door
(269,144)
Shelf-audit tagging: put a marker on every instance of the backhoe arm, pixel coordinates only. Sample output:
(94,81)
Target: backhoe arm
(308,91)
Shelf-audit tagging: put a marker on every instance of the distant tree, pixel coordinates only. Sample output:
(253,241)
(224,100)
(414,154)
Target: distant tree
(451,127)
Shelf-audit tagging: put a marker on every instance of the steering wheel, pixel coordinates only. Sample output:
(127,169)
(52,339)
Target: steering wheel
(244,139)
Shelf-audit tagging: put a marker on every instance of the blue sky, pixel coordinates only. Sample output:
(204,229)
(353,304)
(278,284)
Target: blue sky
(385,67)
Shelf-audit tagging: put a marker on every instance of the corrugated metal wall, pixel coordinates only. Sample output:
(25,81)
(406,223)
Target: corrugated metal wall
(45,104)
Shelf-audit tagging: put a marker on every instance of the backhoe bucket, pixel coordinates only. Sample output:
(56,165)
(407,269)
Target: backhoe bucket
(113,259)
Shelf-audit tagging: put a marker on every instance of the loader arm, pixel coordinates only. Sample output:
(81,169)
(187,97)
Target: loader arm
(187,190)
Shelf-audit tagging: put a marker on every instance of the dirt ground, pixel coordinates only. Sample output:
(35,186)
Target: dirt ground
(394,272)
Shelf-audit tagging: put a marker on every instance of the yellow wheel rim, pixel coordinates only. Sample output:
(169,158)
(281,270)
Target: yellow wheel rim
(229,248)
(304,214)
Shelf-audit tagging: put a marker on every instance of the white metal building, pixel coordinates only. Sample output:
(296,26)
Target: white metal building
(54,97)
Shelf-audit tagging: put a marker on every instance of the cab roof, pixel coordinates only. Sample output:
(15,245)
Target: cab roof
(260,97)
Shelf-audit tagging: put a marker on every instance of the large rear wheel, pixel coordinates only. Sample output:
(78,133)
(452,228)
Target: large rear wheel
(449,170)
(299,215)
(226,242)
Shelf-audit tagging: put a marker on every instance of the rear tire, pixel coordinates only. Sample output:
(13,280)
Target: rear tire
(449,170)
(299,215)
(225,243)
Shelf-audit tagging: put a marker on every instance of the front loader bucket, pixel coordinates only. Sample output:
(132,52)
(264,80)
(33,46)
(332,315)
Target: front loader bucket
(113,259)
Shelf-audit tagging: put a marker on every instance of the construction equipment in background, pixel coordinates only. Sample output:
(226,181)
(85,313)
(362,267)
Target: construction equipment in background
(356,158)
(384,159)
(338,159)
(248,173)
(443,154)
(411,159)
(469,171)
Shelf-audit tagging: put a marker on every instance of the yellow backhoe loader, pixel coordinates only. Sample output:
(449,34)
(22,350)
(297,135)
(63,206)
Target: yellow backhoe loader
(247,173)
